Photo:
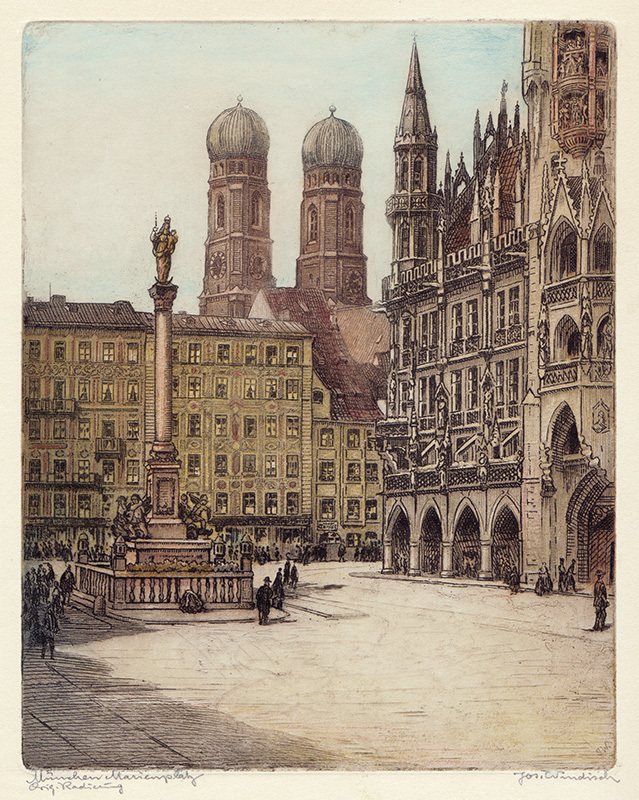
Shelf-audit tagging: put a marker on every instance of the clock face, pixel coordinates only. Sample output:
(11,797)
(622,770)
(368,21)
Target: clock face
(354,283)
(217,264)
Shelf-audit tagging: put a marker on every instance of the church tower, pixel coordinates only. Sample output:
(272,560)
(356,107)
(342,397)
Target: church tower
(412,209)
(238,246)
(331,232)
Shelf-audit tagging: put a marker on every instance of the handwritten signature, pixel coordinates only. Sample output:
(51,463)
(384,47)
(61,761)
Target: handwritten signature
(54,781)
(560,775)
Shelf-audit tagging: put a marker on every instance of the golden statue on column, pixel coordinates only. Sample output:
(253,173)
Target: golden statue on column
(164,241)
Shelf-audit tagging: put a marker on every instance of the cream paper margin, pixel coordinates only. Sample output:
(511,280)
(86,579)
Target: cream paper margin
(328,785)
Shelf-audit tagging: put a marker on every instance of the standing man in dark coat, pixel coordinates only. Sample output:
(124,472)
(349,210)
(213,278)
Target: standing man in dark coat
(341,551)
(287,571)
(294,576)
(562,575)
(278,590)
(263,600)
(600,601)
(48,629)
(569,580)
(67,584)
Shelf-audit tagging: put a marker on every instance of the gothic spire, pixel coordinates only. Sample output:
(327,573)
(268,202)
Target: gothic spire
(414,120)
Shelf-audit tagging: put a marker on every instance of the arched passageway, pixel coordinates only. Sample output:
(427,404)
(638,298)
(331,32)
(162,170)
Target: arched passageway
(505,550)
(466,546)
(431,542)
(590,522)
(400,543)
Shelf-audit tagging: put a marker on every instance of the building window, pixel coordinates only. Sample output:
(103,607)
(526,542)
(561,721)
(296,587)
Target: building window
(249,464)
(472,318)
(107,392)
(194,425)
(353,471)
(194,386)
(35,469)
(59,429)
(83,390)
(372,471)
(250,427)
(84,351)
(292,466)
(327,508)
(272,356)
(219,211)
(221,388)
(312,224)
(292,503)
(326,437)
(403,175)
(318,397)
(132,392)
(602,250)
(223,354)
(108,471)
(34,505)
(108,351)
(473,387)
(108,429)
(175,425)
(513,306)
(404,240)
(352,510)
(248,503)
(195,353)
(271,426)
(564,253)
(59,469)
(34,429)
(406,334)
(292,356)
(350,224)
(84,429)
(176,387)
(327,470)
(292,426)
(250,354)
(499,383)
(34,389)
(513,380)
(250,388)
(352,438)
(34,349)
(194,465)
(84,506)
(84,467)
(256,210)
(270,503)
(132,471)
(59,351)
(501,311)
(58,390)
(270,388)
(456,389)
(371,510)
(59,505)
(292,389)
(270,466)
(458,327)
(221,425)
(221,503)
(132,352)
(133,429)
(221,464)
(432,392)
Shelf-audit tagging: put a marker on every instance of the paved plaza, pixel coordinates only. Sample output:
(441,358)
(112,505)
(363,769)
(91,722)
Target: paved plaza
(361,672)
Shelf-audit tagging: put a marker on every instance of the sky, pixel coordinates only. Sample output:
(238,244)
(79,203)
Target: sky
(115,118)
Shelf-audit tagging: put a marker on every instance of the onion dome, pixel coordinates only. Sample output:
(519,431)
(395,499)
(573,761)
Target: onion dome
(237,133)
(333,142)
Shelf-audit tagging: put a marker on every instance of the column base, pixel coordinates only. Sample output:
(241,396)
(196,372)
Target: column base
(485,576)
(413,573)
(447,573)
(387,571)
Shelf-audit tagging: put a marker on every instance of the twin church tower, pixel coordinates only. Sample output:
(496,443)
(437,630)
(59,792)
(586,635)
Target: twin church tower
(238,246)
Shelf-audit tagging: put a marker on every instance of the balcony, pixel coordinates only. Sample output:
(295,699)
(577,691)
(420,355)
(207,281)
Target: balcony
(560,374)
(49,406)
(87,480)
(109,447)
(510,335)
(392,428)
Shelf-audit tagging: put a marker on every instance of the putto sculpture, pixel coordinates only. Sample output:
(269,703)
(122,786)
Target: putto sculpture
(164,240)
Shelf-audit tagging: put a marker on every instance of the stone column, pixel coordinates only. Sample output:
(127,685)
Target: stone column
(414,566)
(387,563)
(447,560)
(486,567)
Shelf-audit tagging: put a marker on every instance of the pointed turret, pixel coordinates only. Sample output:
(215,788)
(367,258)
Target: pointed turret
(477,143)
(448,182)
(502,119)
(414,120)
(516,124)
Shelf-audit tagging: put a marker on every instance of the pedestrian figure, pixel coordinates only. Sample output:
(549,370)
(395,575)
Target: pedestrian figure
(263,599)
(569,580)
(278,590)
(268,553)
(562,575)
(294,576)
(341,552)
(547,580)
(56,600)
(356,554)
(48,625)
(540,584)
(278,556)
(600,602)
(287,571)
(514,579)
(67,584)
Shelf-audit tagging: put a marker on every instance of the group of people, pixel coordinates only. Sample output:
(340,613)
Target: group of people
(43,603)
(271,595)
(566,579)
(49,548)
(368,552)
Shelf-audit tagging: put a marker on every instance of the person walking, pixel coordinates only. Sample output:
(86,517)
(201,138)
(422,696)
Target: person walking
(547,580)
(48,625)
(569,580)
(56,600)
(562,576)
(278,590)
(263,599)
(287,571)
(67,584)
(294,576)
(341,552)
(600,602)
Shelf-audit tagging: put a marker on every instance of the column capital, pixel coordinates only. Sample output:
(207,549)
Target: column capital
(163,295)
